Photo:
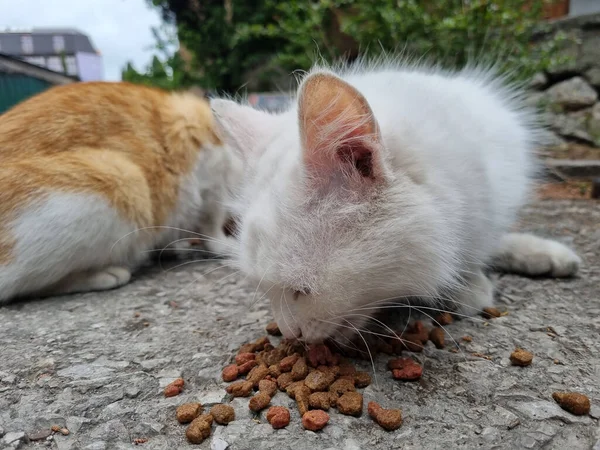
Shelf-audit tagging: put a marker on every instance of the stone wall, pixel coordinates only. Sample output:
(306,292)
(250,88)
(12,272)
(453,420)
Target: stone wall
(569,95)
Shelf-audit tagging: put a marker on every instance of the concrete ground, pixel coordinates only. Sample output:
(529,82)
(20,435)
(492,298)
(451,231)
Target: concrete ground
(96,364)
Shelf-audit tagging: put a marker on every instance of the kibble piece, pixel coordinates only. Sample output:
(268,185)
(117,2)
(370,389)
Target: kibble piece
(412,343)
(315,420)
(274,370)
(286,364)
(341,386)
(230,372)
(332,370)
(284,380)
(247,367)
(405,369)
(291,389)
(179,382)
(443,319)
(302,394)
(491,313)
(247,348)
(467,338)
(261,342)
(278,417)
(240,388)
(319,354)
(346,369)
(362,379)
(319,381)
(319,400)
(199,429)
(188,412)
(521,357)
(351,403)
(388,419)
(268,387)
(418,331)
(272,357)
(438,337)
(259,401)
(242,358)
(223,414)
(300,369)
(574,402)
(172,391)
(257,374)
(273,329)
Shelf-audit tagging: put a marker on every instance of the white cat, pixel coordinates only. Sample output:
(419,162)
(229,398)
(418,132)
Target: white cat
(383,183)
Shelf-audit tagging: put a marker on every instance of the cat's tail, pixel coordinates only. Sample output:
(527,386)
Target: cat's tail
(526,254)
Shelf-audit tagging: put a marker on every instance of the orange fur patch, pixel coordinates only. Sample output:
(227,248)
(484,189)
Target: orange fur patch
(132,144)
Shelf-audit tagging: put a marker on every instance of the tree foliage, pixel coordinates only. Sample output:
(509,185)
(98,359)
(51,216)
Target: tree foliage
(233,43)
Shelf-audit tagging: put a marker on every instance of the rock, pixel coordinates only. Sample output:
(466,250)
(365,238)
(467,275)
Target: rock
(85,371)
(593,77)
(573,94)
(1,431)
(40,434)
(573,125)
(218,444)
(543,410)
(538,81)
(14,437)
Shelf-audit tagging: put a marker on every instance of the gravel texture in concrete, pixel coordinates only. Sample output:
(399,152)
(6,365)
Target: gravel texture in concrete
(96,364)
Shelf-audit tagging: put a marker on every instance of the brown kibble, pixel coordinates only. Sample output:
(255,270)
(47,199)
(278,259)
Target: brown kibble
(333,398)
(351,403)
(319,354)
(257,374)
(302,394)
(319,381)
(172,390)
(315,420)
(521,357)
(405,369)
(346,369)
(332,370)
(242,358)
(286,364)
(247,348)
(273,329)
(284,380)
(268,387)
(291,389)
(273,357)
(259,401)
(491,313)
(223,414)
(179,382)
(188,412)
(140,441)
(199,429)
(341,386)
(319,400)
(278,417)
(240,388)
(438,337)
(230,372)
(362,379)
(412,343)
(260,343)
(573,402)
(300,369)
(443,319)
(418,332)
(467,338)
(274,370)
(64,431)
(388,419)
(55,428)
(247,367)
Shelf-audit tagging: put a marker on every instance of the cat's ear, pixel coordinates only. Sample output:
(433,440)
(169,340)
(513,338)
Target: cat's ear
(245,129)
(339,132)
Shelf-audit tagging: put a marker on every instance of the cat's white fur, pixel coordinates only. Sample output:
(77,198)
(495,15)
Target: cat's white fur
(77,242)
(453,162)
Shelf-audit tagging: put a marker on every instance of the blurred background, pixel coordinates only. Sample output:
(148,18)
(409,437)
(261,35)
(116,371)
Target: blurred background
(255,49)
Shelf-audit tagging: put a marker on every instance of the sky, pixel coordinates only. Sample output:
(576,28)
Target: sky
(119,29)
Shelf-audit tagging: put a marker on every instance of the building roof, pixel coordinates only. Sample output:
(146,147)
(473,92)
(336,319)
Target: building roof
(43,45)
(9,64)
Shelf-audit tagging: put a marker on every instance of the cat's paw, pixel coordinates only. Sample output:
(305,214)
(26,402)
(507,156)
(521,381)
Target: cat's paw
(109,278)
(533,256)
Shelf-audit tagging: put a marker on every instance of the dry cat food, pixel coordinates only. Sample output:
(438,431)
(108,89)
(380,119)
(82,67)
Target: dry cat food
(223,414)
(574,402)
(521,357)
(438,337)
(405,369)
(315,420)
(259,401)
(188,412)
(199,429)
(273,329)
(174,388)
(389,419)
(491,313)
(351,404)
(319,400)
(278,417)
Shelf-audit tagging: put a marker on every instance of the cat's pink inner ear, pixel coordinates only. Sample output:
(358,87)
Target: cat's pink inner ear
(337,128)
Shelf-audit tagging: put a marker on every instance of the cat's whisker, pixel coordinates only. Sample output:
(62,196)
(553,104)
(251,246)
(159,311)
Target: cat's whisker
(368,350)
(283,315)
(258,286)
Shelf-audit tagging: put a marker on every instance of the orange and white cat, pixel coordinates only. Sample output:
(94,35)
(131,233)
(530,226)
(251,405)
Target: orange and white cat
(93,175)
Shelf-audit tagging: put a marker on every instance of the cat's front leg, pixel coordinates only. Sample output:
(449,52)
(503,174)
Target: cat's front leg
(101,280)
(475,294)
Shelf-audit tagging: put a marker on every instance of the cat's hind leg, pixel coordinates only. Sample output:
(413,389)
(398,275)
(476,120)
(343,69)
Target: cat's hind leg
(530,255)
